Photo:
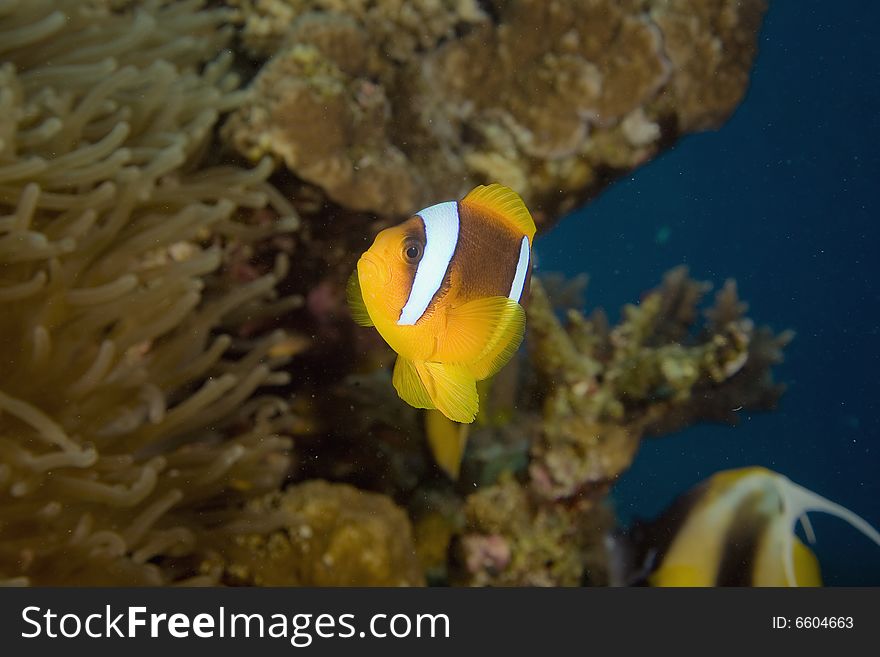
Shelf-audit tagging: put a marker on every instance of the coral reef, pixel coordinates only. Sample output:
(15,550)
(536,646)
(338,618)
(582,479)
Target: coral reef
(557,426)
(169,325)
(410,103)
(129,425)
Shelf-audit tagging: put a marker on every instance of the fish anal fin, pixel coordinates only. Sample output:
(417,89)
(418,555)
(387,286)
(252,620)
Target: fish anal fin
(409,385)
(452,390)
(447,440)
(356,301)
(496,199)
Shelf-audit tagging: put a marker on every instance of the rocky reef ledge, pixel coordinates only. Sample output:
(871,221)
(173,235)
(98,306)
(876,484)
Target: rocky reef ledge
(388,107)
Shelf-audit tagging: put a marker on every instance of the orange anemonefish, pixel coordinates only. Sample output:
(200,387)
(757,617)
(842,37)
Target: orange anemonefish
(444,290)
(737,529)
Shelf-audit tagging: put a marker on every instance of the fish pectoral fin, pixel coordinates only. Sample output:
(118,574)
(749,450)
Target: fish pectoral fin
(506,340)
(481,332)
(409,385)
(503,201)
(452,389)
(447,440)
(356,301)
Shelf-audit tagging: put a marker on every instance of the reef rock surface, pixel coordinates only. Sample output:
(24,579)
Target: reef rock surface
(388,107)
(327,535)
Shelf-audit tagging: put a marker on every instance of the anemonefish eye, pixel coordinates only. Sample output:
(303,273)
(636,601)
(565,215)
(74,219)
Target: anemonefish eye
(412,251)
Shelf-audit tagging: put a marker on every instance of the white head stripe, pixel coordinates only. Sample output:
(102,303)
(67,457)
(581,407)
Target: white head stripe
(522,267)
(441,236)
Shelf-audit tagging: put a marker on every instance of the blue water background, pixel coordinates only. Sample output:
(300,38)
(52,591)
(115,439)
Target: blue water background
(785,199)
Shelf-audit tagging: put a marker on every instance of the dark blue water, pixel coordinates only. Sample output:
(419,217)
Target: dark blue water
(784,198)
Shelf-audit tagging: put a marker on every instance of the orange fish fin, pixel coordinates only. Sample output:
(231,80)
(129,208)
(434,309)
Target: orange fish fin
(502,346)
(474,327)
(500,200)
(408,384)
(452,390)
(356,301)
(447,440)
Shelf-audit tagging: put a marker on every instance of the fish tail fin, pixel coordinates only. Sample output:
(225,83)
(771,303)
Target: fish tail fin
(452,389)
(798,501)
(447,440)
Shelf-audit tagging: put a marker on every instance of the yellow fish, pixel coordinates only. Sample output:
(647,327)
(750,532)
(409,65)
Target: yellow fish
(444,289)
(737,529)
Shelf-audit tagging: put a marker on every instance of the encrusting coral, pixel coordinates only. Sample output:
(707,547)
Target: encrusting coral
(512,539)
(129,425)
(324,534)
(408,103)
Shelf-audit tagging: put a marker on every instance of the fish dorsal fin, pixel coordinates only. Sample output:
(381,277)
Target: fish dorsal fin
(504,202)
(409,386)
(356,301)
(482,334)
(798,501)
(447,440)
(452,390)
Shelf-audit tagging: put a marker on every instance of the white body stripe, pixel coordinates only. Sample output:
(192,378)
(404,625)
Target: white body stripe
(441,237)
(522,267)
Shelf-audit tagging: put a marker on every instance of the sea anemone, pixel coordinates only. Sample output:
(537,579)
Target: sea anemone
(129,425)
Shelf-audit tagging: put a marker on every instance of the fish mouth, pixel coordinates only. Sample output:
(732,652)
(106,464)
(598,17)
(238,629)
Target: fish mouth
(374,268)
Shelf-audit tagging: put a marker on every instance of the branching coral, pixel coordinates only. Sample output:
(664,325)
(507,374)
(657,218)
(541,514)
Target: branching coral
(410,103)
(127,407)
(654,373)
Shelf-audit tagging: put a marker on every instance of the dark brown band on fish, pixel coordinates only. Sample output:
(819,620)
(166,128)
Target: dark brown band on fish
(741,543)
(654,538)
(486,258)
